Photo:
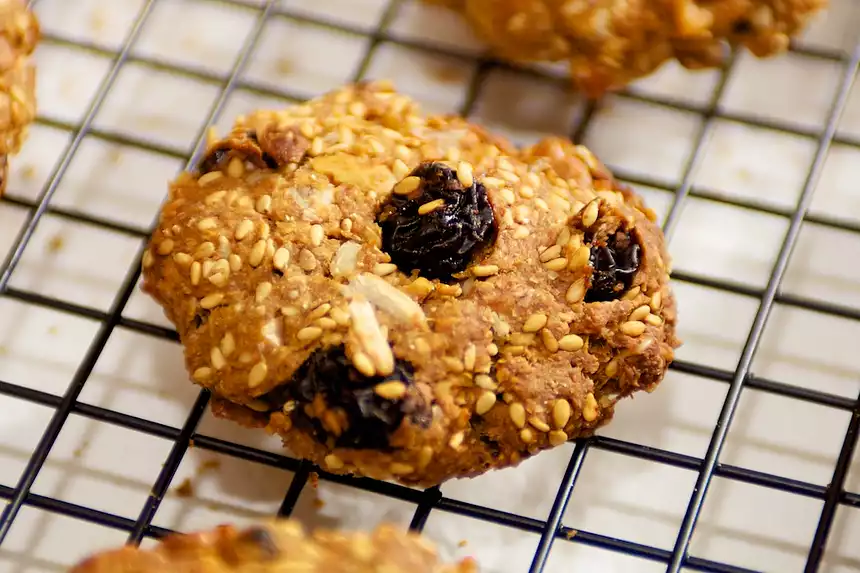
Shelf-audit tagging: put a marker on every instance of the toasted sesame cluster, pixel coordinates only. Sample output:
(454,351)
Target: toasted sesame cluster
(19,34)
(279,546)
(609,43)
(410,297)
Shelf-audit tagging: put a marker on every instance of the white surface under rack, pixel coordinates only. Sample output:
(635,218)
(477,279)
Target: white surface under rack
(757,147)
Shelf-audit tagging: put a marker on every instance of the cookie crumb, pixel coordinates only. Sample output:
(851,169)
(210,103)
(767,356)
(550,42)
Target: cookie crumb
(56,243)
(462,543)
(28,172)
(185,489)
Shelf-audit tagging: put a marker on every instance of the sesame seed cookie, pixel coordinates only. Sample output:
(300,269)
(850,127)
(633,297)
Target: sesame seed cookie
(279,545)
(410,297)
(610,43)
(19,34)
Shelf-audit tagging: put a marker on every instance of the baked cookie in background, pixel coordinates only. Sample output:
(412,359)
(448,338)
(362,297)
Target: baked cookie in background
(409,297)
(19,34)
(610,43)
(279,545)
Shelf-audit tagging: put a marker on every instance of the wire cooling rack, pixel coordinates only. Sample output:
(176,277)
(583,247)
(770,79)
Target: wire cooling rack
(754,170)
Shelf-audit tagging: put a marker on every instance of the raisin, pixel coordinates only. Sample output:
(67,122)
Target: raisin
(614,265)
(742,27)
(368,419)
(200,317)
(261,540)
(273,149)
(443,242)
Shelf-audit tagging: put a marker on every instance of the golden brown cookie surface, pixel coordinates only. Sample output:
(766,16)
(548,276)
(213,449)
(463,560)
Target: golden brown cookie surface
(609,43)
(19,33)
(410,297)
(276,546)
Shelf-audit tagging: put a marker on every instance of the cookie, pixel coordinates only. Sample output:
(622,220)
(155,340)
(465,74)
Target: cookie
(610,43)
(19,34)
(280,545)
(409,297)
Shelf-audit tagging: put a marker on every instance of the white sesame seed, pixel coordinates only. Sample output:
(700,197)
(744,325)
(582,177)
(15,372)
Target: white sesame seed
(211,301)
(264,203)
(526,192)
(518,414)
(401,469)
(183,259)
(640,313)
(431,206)
(317,146)
(560,413)
(642,346)
(571,342)
(309,333)
(264,289)
(527,436)
(485,403)
(633,328)
(556,265)
(399,169)
(656,301)
(202,374)
(465,174)
(319,311)
(147,260)
(575,292)
(205,249)
(407,185)
(550,253)
(207,224)
(258,251)
(557,438)
(485,382)
(214,198)
(469,357)
(539,424)
(327,323)
(612,367)
(333,462)
(217,358)
(485,270)
(307,261)
(392,390)
(207,268)
(235,262)
(196,271)
(549,340)
(209,178)
(228,344)
(521,232)
(654,320)
(384,269)
(508,196)
(456,440)
(258,374)
(363,364)
(317,235)
(243,229)
(235,168)
(535,322)
(563,237)
(165,247)
(579,258)
(589,411)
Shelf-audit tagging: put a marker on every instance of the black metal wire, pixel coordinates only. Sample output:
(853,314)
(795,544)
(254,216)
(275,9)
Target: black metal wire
(833,495)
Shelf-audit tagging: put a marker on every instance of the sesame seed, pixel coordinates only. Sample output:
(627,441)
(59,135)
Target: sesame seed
(549,340)
(656,301)
(589,411)
(527,436)
(535,322)
(465,174)
(281,259)
(571,343)
(207,224)
(557,438)
(264,203)
(228,344)
(485,382)
(214,198)
(217,358)
(320,311)
(612,368)
(431,206)
(550,253)
(257,253)
(539,424)
(633,328)
(400,469)
(407,186)
(307,261)
(204,250)
(195,273)
(393,390)
(469,357)
(317,146)
(642,346)
(449,290)
(399,169)
(340,316)
(485,270)
(358,109)
(526,192)
(309,333)
(212,300)
(424,456)
(509,176)
(492,349)
(345,136)
(402,152)
(579,259)
(521,232)
(235,168)
(182,259)
(455,365)
(363,364)
(563,237)
(632,293)
(640,313)
(375,146)
(516,350)
(209,178)
(235,262)
(560,413)
(384,269)
(317,235)
(147,259)
(556,265)
(576,291)
(165,247)
(456,440)
(421,287)
(202,374)
(333,462)
(589,214)
(653,320)
(485,403)
(264,289)
(327,323)
(258,374)
(243,229)
(508,196)
(518,414)
(207,268)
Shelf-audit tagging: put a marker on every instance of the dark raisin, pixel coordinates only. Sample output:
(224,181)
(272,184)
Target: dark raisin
(200,317)
(443,242)
(742,27)
(614,265)
(369,419)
